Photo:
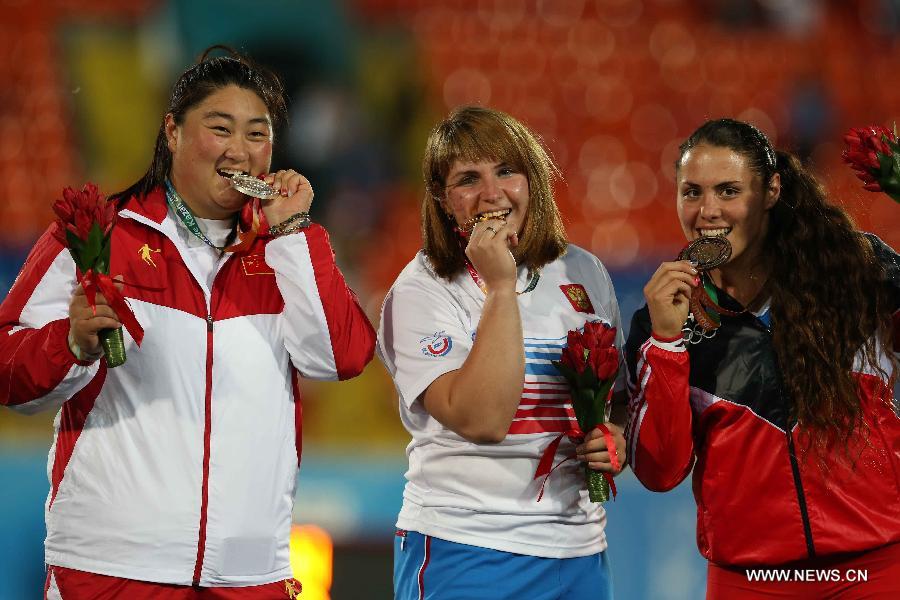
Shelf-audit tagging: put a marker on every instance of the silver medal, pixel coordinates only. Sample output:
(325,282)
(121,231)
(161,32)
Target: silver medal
(251,186)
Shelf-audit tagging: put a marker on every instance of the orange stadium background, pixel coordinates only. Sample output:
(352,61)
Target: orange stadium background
(612,86)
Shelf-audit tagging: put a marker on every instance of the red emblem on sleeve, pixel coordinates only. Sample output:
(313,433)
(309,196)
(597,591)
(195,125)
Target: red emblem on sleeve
(578,297)
(255,264)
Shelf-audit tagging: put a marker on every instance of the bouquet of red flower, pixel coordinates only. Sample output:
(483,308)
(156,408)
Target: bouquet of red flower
(84,224)
(590,363)
(874,153)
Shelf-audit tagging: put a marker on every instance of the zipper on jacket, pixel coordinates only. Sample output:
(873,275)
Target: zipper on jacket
(207,433)
(801,496)
(792,454)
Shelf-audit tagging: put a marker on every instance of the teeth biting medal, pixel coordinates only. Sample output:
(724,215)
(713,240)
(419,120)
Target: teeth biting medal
(706,253)
(481,217)
(249,185)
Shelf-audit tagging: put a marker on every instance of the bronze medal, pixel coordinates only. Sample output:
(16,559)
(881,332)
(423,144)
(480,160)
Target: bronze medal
(707,252)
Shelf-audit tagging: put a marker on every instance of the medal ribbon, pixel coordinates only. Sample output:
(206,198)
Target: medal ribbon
(190,222)
(94,282)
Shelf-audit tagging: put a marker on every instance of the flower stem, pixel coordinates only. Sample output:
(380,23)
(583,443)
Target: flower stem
(113,344)
(598,487)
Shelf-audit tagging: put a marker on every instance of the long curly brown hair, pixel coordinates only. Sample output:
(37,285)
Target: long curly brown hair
(829,304)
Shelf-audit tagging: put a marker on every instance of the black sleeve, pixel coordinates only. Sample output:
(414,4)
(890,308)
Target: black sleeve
(890,260)
(639,333)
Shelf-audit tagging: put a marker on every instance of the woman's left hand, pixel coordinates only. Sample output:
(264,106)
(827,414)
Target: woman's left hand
(593,449)
(296,195)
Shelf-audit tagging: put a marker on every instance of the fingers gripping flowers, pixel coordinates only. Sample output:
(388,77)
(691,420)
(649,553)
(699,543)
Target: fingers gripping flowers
(874,153)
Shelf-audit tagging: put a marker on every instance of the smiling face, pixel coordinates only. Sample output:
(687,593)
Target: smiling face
(230,130)
(474,188)
(719,194)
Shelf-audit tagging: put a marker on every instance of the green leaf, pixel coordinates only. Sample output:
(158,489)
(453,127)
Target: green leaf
(587,379)
(102,264)
(886,163)
(578,404)
(583,403)
(590,405)
(896,160)
(567,372)
(76,249)
(93,245)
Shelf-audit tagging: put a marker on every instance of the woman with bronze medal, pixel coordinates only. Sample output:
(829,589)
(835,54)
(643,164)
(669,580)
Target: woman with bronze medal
(468,332)
(173,474)
(763,361)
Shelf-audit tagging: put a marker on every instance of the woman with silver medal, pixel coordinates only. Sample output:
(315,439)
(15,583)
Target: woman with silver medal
(172,475)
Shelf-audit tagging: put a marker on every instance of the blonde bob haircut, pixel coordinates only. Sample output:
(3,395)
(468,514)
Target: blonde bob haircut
(472,134)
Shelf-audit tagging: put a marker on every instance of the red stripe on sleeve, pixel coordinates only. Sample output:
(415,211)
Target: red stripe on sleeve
(71,423)
(663,441)
(352,336)
(32,361)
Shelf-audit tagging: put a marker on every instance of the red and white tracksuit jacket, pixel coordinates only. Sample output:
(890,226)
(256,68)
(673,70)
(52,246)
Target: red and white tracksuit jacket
(719,407)
(180,465)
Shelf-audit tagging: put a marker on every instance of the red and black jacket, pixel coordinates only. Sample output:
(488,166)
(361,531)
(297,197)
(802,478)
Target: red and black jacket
(719,407)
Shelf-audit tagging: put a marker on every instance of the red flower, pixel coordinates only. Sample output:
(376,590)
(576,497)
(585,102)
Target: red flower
(874,154)
(83,225)
(77,211)
(593,347)
(589,364)
(574,355)
(605,363)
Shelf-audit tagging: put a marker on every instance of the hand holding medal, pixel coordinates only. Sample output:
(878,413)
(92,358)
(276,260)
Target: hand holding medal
(683,287)
(707,253)
(285,197)
(489,260)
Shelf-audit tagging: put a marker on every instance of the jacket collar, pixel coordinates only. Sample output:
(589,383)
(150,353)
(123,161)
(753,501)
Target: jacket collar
(153,207)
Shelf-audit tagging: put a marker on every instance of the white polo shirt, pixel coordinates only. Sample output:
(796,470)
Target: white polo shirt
(485,494)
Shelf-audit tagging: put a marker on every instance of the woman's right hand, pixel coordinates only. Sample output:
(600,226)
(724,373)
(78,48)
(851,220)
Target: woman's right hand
(489,251)
(85,324)
(668,296)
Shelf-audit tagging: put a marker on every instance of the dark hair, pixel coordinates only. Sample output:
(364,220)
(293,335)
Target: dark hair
(475,133)
(204,78)
(828,296)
